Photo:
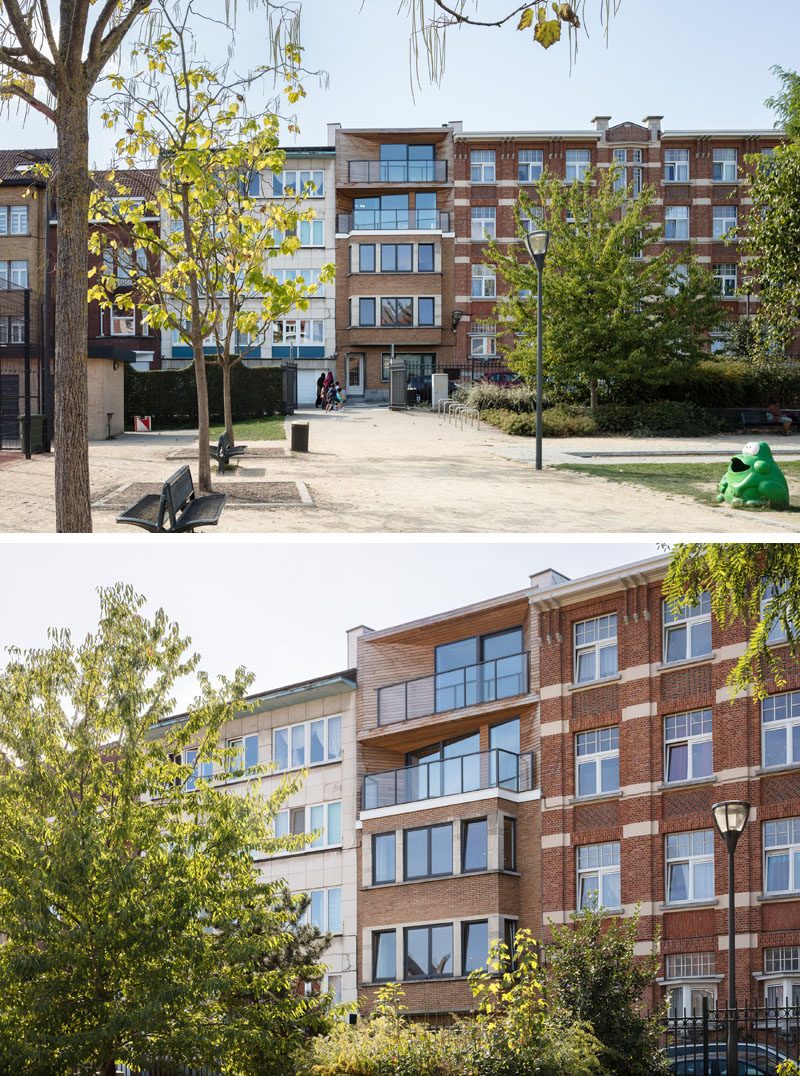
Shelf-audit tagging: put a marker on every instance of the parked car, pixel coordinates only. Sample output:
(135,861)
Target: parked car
(754,1059)
(505,378)
(418,388)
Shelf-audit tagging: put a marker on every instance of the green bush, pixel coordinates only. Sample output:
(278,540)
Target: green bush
(559,421)
(722,382)
(487,397)
(170,396)
(666,418)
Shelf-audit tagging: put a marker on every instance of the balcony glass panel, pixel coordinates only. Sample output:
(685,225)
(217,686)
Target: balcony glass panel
(448,777)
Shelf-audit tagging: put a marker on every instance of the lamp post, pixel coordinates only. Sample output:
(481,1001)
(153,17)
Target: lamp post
(536,244)
(730,818)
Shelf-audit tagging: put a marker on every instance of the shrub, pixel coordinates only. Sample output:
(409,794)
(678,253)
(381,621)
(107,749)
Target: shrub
(722,382)
(665,418)
(170,396)
(486,397)
(557,421)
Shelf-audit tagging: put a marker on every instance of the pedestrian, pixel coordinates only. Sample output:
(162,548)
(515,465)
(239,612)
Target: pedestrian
(330,398)
(340,396)
(320,390)
(777,416)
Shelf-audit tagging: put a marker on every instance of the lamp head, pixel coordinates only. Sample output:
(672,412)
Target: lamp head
(536,243)
(730,818)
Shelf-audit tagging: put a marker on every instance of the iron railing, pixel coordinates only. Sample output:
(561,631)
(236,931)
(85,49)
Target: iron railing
(397,171)
(471,685)
(448,777)
(393,220)
(696,1043)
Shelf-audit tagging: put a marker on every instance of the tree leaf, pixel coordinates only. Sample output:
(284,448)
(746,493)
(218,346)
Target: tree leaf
(547,31)
(525,19)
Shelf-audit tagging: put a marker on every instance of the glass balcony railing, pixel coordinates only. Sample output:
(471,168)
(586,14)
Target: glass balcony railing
(397,171)
(448,777)
(393,220)
(500,678)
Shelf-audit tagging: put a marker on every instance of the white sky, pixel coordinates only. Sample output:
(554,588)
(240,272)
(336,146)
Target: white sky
(700,63)
(280,609)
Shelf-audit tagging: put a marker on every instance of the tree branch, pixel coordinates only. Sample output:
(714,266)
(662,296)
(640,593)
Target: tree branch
(47,22)
(11,58)
(44,67)
(461,18)
(105,48)
(34,102)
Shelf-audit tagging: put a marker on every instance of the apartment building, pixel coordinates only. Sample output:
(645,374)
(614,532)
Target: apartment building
(697,176)
(394,255)
(447,733)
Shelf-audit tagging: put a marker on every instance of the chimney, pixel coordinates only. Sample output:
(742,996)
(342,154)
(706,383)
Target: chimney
(548,578)
(653,123)
(332,129)
(353,635)
(601,123)
(457,125)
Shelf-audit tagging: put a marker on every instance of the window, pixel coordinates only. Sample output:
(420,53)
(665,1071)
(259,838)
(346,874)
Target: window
(245,752)
(725,166)
(782,856)
(530,165)
(14,220)
(324,817)
(780,719)
(402,163)
(123,322)
(304,276)
(383,858)
(332,985)
(474,945)
(687,968)
(474,839)
(690,866)
(295,182)
(366,311)
(504,758)
(299,332)
(484,282)
(481,166)
(688,746)
(509,843)
(13,274)
(483,347)
(502,669)
(325,910)
(679,277)
(509,937)
(203,771)
(777,633)
(396,258)
(689,965)
(428,851)
(311,742)
(578,162)
(428,952)
(676,222)
(725,279)
(676,165)
(426,312)
(598,876)
(595,648)
(687,633)
(484,223)
(384,956)
(597,761)
(366,257)
(397,312)
(723,220)
(12,330)
(784,958)
(783,992)
(311,233)
(425,258)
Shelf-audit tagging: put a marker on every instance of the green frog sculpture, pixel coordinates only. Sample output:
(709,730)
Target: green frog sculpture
(754,479)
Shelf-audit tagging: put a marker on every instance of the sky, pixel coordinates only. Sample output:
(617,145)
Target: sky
(281,609)
(699,63)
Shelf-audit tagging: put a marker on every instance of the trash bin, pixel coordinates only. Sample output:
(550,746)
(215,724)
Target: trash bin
(299,437)
(37,432)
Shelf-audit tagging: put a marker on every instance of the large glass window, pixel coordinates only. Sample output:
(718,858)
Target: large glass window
(509,843)
(482,166)
(690,866)
(780,718)
(396,258)
(688,746)
(366,257)
(484,222)
(401,163)
(324,818)
(396,312)
(484,282)
(724,219)
(676,165)
(381,212)
(676,222)
(782,961)
(428,851)
(687,632)
(309,184)
(14,220)
(782,856)
(725,166)
(504,744)
(245,752)
(425,258)
(308,743)
(325,910)
(366,311)
(480,669)
(383,858)
(311,233)
(599,876)
(474,840)
(725,279)
(474,945)
(578,162)
(777,633)
(595,648)
(597,761)
(530,165)
(426,311)
(428,952)
(384,956)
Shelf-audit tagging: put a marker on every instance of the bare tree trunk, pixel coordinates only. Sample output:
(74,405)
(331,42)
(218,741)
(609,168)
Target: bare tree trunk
(593,394)
(226,397)
(73,502)
(196,332)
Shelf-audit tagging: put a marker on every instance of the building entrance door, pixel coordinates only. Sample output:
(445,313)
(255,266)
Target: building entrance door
(355,375)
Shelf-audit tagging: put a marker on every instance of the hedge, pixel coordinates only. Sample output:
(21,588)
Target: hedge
(723,382)
(170,396)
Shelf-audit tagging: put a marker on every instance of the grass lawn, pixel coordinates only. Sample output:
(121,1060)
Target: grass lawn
(254,429)
(697,480)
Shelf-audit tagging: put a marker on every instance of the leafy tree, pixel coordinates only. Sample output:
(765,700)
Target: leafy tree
(614,311)
(135,924)
(735,575)
(742,338)
(593,975)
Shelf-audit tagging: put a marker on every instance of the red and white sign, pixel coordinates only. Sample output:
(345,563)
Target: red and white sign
(142,423)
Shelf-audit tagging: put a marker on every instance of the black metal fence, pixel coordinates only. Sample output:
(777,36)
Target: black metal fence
(25,378)
(696,1044)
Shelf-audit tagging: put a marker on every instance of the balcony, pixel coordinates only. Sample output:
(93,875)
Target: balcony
(448,777)
(397,171)
(490,681)
(393,220)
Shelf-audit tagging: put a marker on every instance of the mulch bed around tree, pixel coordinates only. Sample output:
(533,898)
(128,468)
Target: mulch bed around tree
(259,451)
(240,495)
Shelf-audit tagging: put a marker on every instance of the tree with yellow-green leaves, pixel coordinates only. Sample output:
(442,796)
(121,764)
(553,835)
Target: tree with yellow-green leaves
(135,925)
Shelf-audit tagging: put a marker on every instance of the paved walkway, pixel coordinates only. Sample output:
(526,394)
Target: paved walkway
(373,470)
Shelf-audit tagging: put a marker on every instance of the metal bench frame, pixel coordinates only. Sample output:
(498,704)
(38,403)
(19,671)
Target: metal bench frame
(178,504)
(223,451)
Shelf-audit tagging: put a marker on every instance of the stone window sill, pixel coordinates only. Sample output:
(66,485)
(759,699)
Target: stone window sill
(595,683)
(685,663)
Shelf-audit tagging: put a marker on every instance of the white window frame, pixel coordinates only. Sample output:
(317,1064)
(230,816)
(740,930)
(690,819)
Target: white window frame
(686,999)
(601,745)
(311,233)
(306,734)
(724,165)
(781,712)
(691,729)
(298,184)
(698,852)
(577,163)
(16,331)
(603,639)
(310,823)
(484,222)
(324,923)
(483,347)
(485,277)
(678,217)
(18,220)
(116,316)
(726,278)
(606,865)
(782,976)
(782,837)
(244,745)
(530,165)
(295,332)
(676,165)
(687,618)
(482,166)
(724,219)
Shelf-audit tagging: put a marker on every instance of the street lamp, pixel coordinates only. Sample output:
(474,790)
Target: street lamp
(730,818)
(536,244)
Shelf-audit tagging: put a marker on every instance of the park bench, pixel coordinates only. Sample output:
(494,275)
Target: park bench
(759,418)
(223,451)
(177,509)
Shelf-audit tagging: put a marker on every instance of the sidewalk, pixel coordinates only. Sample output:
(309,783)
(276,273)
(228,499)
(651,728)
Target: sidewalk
(370,469)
